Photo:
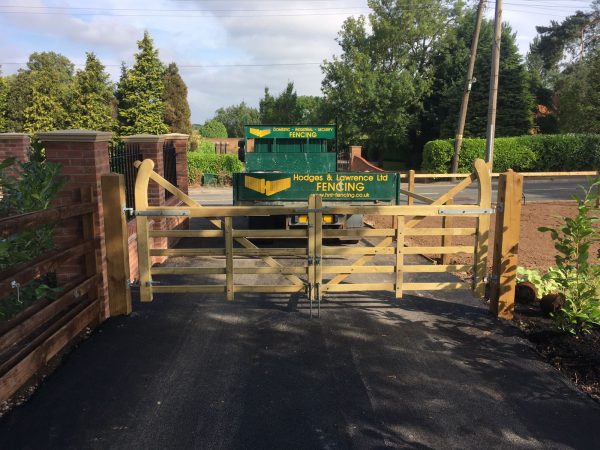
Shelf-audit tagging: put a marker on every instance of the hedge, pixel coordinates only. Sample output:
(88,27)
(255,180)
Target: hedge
(223,165)
(537,153)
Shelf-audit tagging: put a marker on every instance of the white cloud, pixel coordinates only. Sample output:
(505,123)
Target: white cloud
(201,33)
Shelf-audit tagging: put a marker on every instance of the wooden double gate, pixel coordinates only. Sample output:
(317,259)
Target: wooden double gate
(310,266)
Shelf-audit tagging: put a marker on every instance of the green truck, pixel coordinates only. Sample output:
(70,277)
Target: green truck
(290,162)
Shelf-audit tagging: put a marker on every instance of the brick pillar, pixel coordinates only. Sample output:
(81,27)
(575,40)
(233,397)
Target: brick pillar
(84,157)
(151,147)
(181,148)
(14,145)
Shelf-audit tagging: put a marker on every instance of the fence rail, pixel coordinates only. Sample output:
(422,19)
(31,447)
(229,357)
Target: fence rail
(38,332)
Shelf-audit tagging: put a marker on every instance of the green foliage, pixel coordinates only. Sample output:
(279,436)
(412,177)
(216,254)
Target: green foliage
(579,97)
(282,109)
(205,146)
(177,109)
(544,284)
(235,117)
(213,129)
(47,86)
(577,272)
(30,187)
(3,101)
(377,87)
(562,152)
(93,90)
(515,103)
(200,163)
(140,93)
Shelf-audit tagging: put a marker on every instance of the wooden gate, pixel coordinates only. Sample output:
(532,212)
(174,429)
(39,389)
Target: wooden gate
(312,273)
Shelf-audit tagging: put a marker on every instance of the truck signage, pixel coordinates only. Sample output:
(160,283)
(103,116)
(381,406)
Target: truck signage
(340,186)
(290,132)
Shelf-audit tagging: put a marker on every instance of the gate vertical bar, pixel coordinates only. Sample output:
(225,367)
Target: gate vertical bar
(483,228)
(229,258)
(411,185)
(141,204)
(399,268)
(447,222)
(318,250)
(311,251)
(506,247)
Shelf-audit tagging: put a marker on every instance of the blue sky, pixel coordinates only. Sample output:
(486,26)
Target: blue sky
(227,51)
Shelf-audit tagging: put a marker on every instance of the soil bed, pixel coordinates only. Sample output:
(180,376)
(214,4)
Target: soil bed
(577,357)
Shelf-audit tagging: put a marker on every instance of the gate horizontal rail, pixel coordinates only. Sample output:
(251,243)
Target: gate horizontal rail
(317,269)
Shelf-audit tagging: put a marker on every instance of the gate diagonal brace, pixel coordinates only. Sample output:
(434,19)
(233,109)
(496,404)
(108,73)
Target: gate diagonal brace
(216,222)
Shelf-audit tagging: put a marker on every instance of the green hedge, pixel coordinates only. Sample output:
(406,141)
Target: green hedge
(537,153)
(222,165)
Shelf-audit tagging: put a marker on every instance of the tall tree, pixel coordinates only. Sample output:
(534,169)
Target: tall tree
(282,109)
(177,109)
(235,117)
(377,87)
(515,102)
(3,99)
(39,94)
(93,109)
(579,97)
(140,93)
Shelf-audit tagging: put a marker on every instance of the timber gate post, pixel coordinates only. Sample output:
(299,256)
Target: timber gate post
(506,246)
(117,247)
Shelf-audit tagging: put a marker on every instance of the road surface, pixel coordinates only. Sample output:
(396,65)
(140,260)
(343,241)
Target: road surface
(535,190)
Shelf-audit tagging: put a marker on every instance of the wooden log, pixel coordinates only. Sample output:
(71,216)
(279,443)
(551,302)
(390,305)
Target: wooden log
(15,224)
(19,373)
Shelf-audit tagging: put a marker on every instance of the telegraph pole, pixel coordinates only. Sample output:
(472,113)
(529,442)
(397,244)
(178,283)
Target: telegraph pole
(491,119)
(462,116)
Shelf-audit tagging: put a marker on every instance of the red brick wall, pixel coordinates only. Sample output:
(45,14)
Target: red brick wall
(84,157)
(14,145)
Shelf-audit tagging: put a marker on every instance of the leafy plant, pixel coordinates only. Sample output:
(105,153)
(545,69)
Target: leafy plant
(223,165)
(544,284)
(576,273)
(27,187)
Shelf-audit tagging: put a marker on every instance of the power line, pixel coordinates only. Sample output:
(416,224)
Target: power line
(184,66)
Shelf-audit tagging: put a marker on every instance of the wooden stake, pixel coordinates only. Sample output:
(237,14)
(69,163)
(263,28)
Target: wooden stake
(117,247)
(229,257)
(506,248)
(411,185)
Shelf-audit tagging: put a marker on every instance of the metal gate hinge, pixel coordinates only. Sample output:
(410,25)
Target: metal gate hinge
(309,260)
(128,211)
(317,260)
(133,283)
(151,283)
(500,207)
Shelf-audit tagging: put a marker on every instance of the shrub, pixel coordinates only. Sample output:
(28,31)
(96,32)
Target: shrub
(31,187)
(213,129)
(222,165)
(561,152)
(577,274)
(205,146)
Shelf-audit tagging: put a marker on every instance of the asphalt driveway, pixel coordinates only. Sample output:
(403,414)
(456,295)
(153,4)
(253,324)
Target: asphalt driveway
(193,371)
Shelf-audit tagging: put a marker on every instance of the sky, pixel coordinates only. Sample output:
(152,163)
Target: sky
(227,51)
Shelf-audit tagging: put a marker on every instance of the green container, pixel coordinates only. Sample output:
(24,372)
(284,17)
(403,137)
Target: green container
(209,179)
(291,162)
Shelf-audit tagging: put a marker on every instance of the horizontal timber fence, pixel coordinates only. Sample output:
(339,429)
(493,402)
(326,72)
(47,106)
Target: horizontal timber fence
(312,274)
(44,307)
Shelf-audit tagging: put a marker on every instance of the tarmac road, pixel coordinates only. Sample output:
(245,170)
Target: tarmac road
(195,371)
(535,190)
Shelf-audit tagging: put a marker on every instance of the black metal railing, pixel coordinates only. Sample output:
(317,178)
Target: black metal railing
(343,160)
(170,165)
(121,157)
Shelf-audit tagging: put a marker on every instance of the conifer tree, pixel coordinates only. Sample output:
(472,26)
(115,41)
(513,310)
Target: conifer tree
(141,89)
(92,108)
(177,109)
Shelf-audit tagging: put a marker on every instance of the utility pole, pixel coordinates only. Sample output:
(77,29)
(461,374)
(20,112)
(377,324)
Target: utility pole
(491,118)
(462,116)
